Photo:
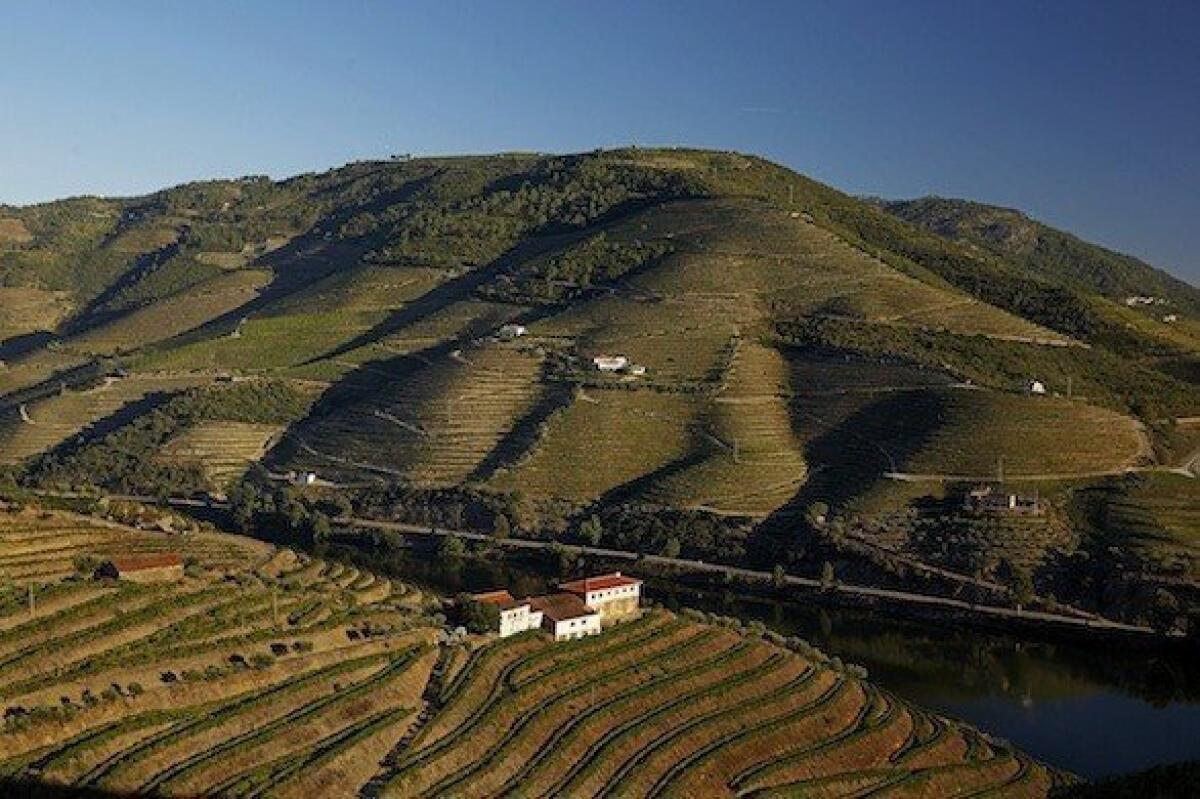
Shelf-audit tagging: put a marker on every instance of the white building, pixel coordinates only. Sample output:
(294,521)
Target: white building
(614,596)
(565,616)
(610,363)
(516,615)
(512,331)
(1035,386)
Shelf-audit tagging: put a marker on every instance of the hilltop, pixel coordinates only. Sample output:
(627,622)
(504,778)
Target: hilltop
(809,377)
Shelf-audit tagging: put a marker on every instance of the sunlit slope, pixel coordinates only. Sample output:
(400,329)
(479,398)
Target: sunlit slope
(750,250)
(448,420)
(753,462)
(265,672)
(37,427)
(222,450)
(675,707)
(257,670)
(695,318)
(27,310)
(860,420)
(606,441)
(172,315)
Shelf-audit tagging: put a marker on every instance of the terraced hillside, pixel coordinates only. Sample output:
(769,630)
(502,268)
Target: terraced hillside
(268,673)
(670,706)
(260,672)
(36,427)
(444,424)
(222,450)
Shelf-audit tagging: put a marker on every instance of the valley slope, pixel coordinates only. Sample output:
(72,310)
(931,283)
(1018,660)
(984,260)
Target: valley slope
(818,380)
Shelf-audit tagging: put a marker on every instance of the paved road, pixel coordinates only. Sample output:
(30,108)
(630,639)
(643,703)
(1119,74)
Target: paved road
(752,575)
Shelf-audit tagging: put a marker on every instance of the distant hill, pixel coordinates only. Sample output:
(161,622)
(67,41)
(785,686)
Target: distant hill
(1044,251)
(788,346)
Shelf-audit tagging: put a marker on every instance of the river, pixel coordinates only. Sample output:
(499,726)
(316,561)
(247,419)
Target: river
(1087,709)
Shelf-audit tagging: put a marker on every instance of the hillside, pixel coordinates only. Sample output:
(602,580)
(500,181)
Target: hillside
(263,672)
(1136,306)
(1044,251)
(787,347)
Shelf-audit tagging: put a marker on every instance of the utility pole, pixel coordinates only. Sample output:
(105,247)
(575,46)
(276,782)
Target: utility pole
(275,605)
(1069,386)
(32,601)
(791,195)
(1000,469)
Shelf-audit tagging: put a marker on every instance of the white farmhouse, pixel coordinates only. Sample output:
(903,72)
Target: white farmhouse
(1035,387)
(516,615)
(566,617)
(511,331)
(614,596)
(610,363)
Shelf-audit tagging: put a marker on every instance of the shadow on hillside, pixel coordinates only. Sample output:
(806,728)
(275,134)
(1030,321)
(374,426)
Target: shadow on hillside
(851,456)
(18,346)
(95,314)
(523,435)
(304,260)
(32,789)
(453,290)
(371,382)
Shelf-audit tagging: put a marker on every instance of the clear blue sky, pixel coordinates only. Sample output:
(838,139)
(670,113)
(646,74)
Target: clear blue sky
(1086,114)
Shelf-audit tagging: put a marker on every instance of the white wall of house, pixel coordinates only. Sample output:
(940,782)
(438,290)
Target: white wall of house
(616,602)
(578,627)
(518,620)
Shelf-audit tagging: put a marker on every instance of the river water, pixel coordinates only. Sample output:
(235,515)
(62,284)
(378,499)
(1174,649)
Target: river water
(1090,710)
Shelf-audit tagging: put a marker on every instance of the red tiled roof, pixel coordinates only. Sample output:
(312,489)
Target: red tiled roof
(134,563)
(501,599)
(599,583)
(560,607)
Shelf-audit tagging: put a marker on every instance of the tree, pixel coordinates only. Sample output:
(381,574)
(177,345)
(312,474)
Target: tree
(452,548)
(828,578)
(321,529)
(500,526)
(591,530)
(476,616)
(1022,587)
(455,515)
(671,548)
(1165,610)
(817,513)
(779,576)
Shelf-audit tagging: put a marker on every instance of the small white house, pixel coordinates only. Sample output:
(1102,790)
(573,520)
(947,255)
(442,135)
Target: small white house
(516,615)
(610,363)
(637,370)
(566,617)
(512,331)
(304,478)
(1035,387)
(1171,318)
